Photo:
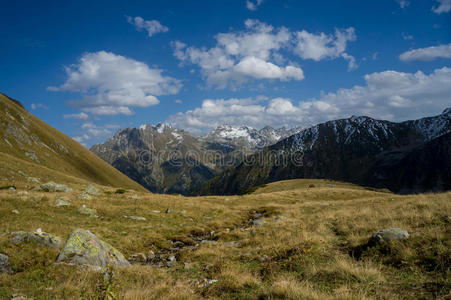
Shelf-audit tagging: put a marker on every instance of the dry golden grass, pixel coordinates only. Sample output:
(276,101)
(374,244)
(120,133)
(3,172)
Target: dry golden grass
(310,247)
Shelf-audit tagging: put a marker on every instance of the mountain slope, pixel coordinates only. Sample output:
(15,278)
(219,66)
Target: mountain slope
(347,149)
(32,148)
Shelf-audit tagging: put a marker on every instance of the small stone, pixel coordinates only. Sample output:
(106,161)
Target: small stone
(87,211)
(134,197)
(5,266)
(53,187)
(387,235)
(34,180)
(279,218)
(257,222)
(137,218)
(150,255)
(171,261)
(15,211)
(84,196)
(168,211)
(39,237)
(156,211)
(92,190)
(12,188)
(210,282)
(62,201)
(138,257)
(264,258)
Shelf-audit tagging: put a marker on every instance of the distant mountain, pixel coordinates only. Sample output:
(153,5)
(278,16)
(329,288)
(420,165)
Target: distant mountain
(362,150)
(168,160)
(32,151)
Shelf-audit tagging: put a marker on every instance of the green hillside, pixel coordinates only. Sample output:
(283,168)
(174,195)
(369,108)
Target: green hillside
(30,148)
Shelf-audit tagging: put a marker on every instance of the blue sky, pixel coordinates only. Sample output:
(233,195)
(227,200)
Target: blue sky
(90,67)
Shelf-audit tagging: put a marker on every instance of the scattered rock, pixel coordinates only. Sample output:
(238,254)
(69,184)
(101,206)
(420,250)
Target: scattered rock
(210,282)
(53,187)
(232,244)
(32,155)
(5,266)
(168,211)
(264,258)
(138,257)
(87,211)
(279,218)
(84,196)
(62,201)
(171,261)
(34,180)
(134,197)
(38,236)
(12,188)
(387,235)
(150,255)
(91,190)
(257,222)
(20,297)
(85,249)
(135,218)
(15,211)
(156,211)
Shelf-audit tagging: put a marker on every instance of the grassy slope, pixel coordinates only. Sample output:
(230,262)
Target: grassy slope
(61,157)
(309,249)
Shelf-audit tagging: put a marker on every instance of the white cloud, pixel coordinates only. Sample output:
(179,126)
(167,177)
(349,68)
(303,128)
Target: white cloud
(258,53)
(80,116)
(444,7)
(427,54)
(403,3)
(35,106)
(406,37)
(253,5)
(152,27)
(178,101)
(387,95)
(110,84)
(321,46)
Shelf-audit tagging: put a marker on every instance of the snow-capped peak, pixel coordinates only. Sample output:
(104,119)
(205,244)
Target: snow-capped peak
(160,127)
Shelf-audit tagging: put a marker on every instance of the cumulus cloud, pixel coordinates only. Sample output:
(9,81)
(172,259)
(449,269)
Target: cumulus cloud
(389,95)
(444,7)
(321,46)
(427,54)
(257,53)
(110,84)
(253,5)
(152,27)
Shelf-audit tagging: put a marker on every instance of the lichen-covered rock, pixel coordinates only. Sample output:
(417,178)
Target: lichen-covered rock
(87,211)
(5,266)
(92,190)
(38,236)
(62,201)
(54,187)
(85,249)
(387,235)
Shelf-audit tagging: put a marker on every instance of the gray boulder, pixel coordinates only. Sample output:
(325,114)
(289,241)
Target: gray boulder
(42,238)
(62,201)
(53,187)
(387,235)
(92,190)
(85,249)
(5,266)
(87,211)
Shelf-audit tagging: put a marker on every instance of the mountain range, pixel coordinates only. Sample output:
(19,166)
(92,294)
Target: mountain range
(168,160)
(407,157)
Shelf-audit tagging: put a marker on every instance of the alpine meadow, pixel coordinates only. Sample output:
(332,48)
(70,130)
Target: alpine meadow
(243,149)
